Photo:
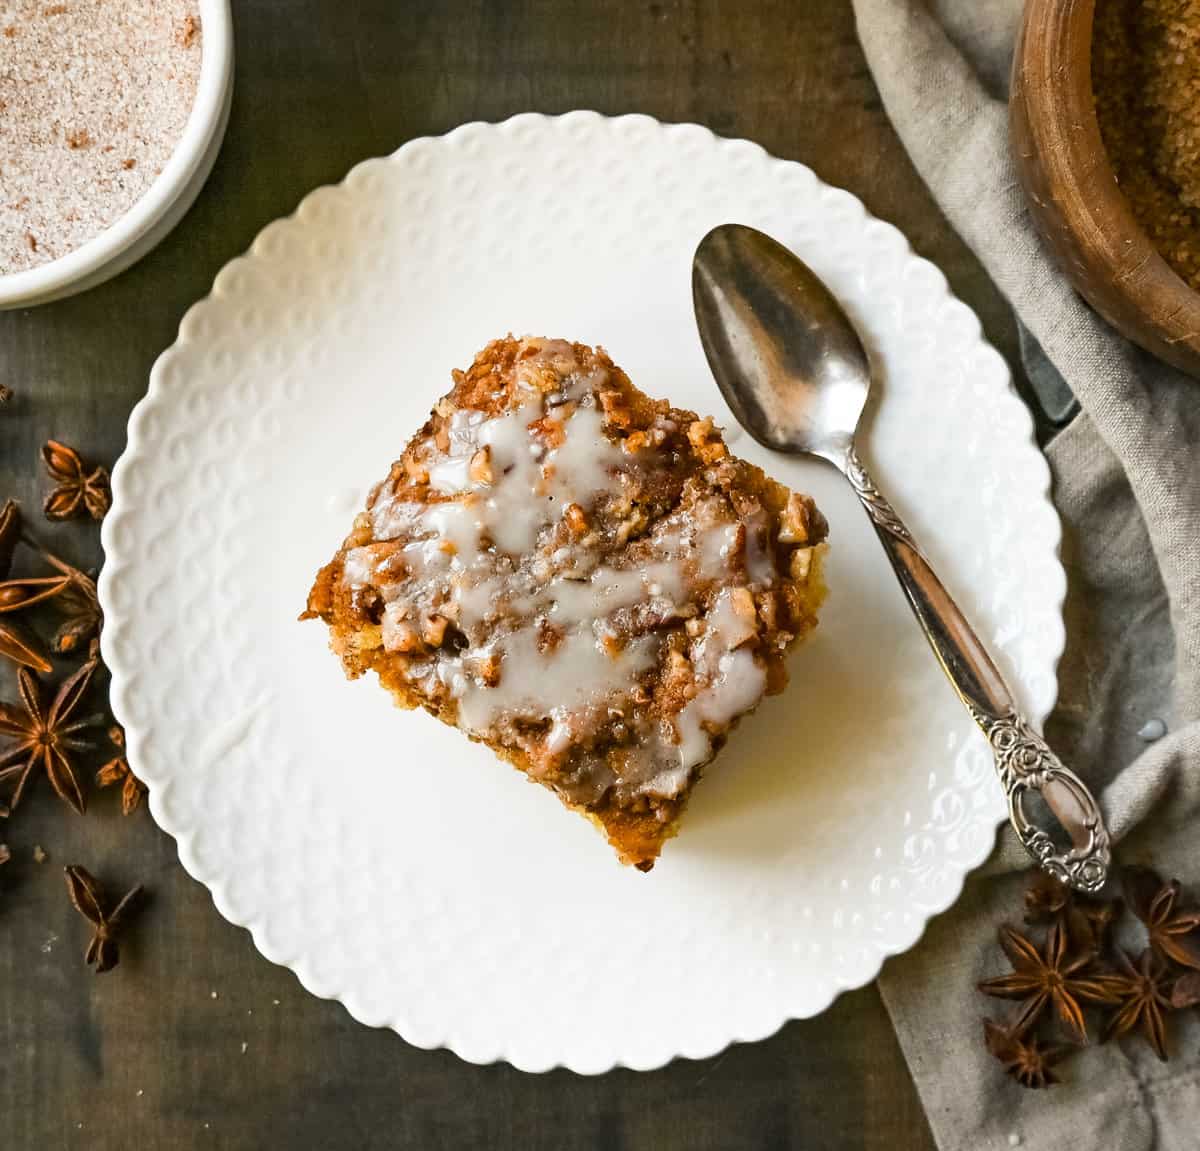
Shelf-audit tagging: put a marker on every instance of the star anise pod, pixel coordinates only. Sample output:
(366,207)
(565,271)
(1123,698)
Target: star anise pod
(1088,921)
(1174,932)
(89,900)
(6,394)
(79,489)
(1145,997)
(79,604)
(45,735)
(116,770)
(5,854)
(1024,1057)
(1055,975)
(10,535)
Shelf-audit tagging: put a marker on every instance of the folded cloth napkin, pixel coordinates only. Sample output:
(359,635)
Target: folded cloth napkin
(1127,484)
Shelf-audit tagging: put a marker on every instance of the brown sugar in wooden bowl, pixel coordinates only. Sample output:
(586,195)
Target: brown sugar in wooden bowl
(1074,196)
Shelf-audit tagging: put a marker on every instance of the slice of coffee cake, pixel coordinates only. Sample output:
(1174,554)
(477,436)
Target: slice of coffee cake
(580,577)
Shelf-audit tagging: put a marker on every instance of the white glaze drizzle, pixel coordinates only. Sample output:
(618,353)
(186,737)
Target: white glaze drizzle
(477,559)
(577,674)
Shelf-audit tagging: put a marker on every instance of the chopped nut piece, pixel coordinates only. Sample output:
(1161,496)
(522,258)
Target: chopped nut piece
(743,603)
(678,663)
(768,609)
(632,527)
(480,468)
(433,630)
(416,470)
(706,441)
(744,625)
(795,523)
(401,636)
(575,518)
(800,564)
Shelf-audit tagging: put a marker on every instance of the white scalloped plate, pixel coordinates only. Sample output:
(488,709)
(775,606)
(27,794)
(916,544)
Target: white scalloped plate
(395,866)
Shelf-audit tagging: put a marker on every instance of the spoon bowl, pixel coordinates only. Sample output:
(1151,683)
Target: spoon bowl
(791,365)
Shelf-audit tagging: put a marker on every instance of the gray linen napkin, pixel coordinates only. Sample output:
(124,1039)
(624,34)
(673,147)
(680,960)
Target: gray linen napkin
(1127,483)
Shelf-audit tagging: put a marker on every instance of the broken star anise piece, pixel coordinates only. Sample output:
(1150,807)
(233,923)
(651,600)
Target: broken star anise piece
(79,489)
(1174,932)
(10,535)
(1088,921)
(1045,897)
(15,644)
(1145,997)
(116,770)
(1024,1057)
(17,594)
(45,735)
(22,649)
(1186,991)
(79,604)
(1055,975)
(89,900)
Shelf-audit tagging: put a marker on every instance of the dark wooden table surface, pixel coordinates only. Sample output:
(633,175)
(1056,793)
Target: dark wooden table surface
(196,1040)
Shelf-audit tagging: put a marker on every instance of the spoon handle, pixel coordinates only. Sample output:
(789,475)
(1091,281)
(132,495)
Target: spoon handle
(1026,765)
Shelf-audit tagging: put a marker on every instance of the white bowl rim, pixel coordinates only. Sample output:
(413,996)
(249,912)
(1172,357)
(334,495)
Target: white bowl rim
(216,68)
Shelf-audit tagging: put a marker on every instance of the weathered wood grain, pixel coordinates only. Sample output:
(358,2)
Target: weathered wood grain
(146,1056)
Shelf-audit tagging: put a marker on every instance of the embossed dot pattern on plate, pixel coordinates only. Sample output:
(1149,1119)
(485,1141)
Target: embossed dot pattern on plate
(399,868)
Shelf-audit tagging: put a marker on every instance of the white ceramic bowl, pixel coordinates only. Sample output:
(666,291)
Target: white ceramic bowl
(165,201)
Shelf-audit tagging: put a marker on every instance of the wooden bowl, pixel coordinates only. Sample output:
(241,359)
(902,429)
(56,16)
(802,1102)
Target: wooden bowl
(1073,193)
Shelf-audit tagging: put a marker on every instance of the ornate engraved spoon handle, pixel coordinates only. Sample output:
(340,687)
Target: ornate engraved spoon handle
(1024,761)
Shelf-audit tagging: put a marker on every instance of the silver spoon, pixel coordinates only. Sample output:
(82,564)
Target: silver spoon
(791,366)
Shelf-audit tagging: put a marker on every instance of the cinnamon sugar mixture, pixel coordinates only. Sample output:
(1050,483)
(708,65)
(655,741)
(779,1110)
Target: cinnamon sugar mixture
(94,96)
